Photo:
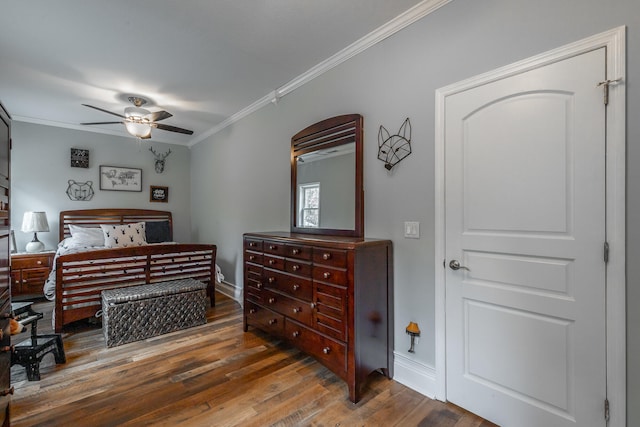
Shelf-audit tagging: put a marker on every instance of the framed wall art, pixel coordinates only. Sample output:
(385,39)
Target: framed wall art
(118,178)
(158,194)
(79,158)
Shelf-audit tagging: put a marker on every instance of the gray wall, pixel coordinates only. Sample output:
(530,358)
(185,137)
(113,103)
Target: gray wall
(240,178)
(40,170)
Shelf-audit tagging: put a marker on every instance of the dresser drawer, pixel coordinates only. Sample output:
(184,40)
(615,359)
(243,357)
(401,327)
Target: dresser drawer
(32,261)
(298,252)
(253,257)
(330,352)
(253,290)
(264,319)
(253,270)
(253,245)
(329,275)
(274,262)
(297,287)
(274,248)
(331,257)
(290,307)
(300,268)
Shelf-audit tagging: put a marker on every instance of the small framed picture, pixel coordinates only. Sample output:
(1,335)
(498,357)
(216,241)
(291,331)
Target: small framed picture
(79,158)
(118,178)
(158,194)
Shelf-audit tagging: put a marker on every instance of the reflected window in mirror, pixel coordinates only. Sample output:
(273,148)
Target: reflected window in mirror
(309,202)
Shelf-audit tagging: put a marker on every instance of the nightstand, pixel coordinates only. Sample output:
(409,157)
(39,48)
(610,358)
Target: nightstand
(29,271)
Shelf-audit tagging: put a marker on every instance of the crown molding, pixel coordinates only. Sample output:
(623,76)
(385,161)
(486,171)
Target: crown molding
(400,22)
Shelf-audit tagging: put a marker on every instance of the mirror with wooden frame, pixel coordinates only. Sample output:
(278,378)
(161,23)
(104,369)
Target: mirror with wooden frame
(326,178)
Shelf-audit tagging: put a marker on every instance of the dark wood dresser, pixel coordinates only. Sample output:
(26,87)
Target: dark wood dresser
(330,296)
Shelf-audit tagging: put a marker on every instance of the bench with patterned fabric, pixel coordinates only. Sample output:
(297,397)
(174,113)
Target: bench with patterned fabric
(139,312)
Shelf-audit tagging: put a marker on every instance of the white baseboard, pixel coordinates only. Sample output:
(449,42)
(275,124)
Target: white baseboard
(415,375)
(229,289)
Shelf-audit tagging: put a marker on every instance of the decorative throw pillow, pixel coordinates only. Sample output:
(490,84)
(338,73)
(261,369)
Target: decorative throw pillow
(157,231)
(83,236)
(122,236)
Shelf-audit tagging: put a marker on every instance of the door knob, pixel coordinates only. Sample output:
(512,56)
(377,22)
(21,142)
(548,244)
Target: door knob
(455,265)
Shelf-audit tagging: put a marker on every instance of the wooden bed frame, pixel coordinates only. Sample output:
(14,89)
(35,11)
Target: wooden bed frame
(81,277)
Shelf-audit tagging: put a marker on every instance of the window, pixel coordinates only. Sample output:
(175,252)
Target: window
(309,202)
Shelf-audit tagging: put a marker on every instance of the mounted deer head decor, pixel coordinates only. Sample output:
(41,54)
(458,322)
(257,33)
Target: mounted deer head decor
(159,159)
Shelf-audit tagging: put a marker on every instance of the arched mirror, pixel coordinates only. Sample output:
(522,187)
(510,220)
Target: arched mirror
(326,178)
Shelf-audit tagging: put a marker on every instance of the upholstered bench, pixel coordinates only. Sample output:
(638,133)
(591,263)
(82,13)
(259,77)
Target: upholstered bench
(139,312)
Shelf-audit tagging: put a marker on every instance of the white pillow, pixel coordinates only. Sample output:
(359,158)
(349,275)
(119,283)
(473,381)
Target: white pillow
(122,236)
(83,236)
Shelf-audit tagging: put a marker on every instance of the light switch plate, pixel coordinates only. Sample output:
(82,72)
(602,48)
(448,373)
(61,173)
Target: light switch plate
(412,229)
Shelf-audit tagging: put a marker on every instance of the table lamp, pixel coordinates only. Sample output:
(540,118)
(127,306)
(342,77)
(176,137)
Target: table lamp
(34,222)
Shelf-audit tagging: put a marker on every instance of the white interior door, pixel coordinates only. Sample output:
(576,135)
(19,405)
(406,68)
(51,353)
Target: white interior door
(525,220)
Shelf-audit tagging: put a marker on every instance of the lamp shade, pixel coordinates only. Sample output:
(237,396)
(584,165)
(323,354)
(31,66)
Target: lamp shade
(412,328)
(34,222)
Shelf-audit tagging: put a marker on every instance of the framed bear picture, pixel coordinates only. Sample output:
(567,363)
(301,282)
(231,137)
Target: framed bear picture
(158,194)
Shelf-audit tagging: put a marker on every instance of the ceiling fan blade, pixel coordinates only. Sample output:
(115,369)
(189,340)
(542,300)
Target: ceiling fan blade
(101,123)
(159,115)
(172,128)
(103,110)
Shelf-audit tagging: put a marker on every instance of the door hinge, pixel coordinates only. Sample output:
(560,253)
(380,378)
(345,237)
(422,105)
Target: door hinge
(606,252)
(605,86)
(606,410)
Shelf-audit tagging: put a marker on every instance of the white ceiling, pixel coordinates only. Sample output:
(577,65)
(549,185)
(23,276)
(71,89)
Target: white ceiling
(205,61)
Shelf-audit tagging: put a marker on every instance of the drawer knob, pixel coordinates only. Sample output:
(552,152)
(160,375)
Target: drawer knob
(6,391)
(273,321)
(295,251)
(326,256)
(39,262)
(252,257)
(272,300)
(253,244)
(272,261)
(271,279)
(295,334)
(252,311)
(296,287)
(273,247)
(326,350)
(297,310)
(259,285)
(326,274)
(312,305)
(296,267)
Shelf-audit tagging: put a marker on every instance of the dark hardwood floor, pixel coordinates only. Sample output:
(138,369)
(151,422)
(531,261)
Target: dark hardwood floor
(211,375)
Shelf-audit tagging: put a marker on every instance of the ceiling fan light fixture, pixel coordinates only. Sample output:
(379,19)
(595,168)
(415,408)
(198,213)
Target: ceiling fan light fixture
(139,130)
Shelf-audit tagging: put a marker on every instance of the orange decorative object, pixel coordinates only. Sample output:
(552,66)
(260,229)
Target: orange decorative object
(414,331)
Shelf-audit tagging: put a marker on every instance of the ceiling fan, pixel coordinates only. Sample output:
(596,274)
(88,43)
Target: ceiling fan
(138,121)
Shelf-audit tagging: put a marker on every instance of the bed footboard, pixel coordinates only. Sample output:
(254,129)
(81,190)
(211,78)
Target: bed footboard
(81,277)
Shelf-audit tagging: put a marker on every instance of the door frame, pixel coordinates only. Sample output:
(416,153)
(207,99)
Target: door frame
(614,41)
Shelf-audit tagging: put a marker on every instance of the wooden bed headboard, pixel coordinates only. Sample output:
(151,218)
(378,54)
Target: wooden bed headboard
(92,218)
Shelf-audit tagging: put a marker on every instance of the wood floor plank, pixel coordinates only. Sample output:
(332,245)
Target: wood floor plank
(209,375)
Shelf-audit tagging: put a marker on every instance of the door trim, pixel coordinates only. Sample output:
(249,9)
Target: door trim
(614,42)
